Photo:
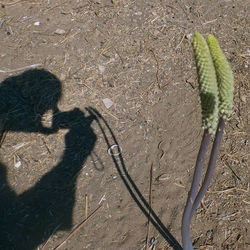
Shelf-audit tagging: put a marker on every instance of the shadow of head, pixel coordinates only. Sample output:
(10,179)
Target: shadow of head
(25,98)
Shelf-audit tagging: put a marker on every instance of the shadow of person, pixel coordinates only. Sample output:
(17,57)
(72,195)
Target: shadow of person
(29,219)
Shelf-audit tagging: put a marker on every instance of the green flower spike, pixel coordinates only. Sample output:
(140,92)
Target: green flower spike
(209,64)
(224,77)
(207,83)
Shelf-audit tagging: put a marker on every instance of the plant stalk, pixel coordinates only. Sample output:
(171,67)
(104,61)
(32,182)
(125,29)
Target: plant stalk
(186,240)
(211,166)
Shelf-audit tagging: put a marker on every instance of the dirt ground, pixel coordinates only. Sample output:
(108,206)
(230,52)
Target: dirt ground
(133,62)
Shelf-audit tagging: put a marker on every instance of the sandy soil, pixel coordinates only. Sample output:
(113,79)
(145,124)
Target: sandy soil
(55,168)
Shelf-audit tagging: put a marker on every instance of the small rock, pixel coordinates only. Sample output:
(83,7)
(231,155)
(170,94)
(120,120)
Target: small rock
(243,98)
(189,36)
(18,164)
(60,31)
(108,103)
(63,77)
(101,68)
(139,13)
(156,32)
(209,233)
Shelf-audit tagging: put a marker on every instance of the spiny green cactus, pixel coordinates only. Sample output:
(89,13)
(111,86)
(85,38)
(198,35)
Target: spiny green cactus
(224,77)
(207,83)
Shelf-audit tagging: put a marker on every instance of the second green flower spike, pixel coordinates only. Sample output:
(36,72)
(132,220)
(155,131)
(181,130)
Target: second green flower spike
(224,77)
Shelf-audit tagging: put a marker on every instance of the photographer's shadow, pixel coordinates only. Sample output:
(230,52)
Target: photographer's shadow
(29,219)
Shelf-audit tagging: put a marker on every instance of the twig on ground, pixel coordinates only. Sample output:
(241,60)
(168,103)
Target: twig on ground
(208,22)
(16,2)
(228,190)
(50,236)
(86,206)
(32,66)
(77,228)
(46,146)
(156,75)
(157,68)
(180,41)
(2,137)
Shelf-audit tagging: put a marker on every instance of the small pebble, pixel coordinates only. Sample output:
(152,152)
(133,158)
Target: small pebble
(101,68)
(156,32)
(108,103)
(18,164)
(63,77)
(243,98)
(60,31)
(209,233)
(189,36)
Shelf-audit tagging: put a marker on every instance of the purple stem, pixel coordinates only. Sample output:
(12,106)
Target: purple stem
(211,166)
(186,219)
(194,199)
